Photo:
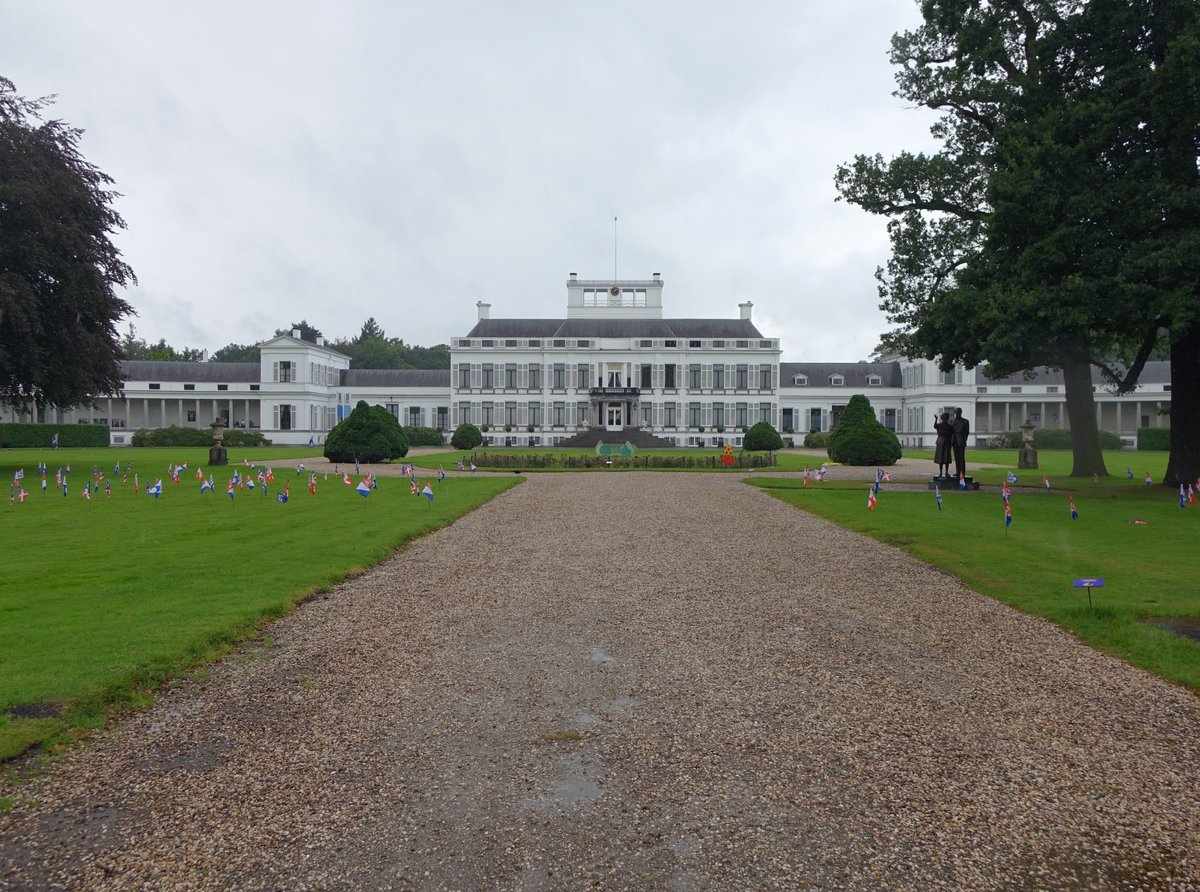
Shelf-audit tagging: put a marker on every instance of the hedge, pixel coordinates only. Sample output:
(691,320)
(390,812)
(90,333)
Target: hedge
(1046,438)
(1157,438)
(816,440)
(33,436)
(423,436)
(645,460)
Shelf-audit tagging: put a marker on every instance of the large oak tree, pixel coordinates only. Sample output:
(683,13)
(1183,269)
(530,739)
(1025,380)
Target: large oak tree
(59,269)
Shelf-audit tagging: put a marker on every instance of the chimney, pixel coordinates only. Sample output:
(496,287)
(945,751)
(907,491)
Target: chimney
(296,333)
(484,309)
(572,277)
(320,341)
(745,308)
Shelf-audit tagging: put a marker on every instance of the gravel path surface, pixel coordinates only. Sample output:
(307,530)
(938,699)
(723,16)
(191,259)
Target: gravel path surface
(637,681)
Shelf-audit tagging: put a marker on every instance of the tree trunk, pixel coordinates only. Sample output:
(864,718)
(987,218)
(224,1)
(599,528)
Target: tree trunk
(1183,466)
(1081,410)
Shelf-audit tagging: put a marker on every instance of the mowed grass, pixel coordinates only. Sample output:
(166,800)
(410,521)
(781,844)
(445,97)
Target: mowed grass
(102,601)
(1150,569)
(785,461)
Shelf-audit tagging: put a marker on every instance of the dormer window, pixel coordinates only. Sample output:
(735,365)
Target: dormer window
(800,380)
(837,380)
(874,380)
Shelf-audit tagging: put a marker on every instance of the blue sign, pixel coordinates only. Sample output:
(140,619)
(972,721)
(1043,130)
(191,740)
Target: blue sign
(1089,583)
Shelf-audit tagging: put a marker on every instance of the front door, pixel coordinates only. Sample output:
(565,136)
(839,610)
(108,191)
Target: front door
(615,419)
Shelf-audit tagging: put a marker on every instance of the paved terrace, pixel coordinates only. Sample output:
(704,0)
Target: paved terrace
(637,681)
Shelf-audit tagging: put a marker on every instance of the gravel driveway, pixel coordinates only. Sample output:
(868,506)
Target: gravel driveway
(633,680)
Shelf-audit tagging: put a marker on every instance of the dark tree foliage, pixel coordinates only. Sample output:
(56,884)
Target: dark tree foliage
(373,349)
(762,438)
(1042,233)
(59,270)
(236,353)
(134,347)
(307,332)
(466,436)
(860,439)
(369,433)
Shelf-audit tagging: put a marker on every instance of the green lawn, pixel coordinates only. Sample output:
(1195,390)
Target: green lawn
(102,600)
(1149,569)
(785,461)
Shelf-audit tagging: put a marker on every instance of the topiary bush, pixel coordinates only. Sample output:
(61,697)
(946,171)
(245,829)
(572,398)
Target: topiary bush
(816,440)
(762,438)
(369,433)
(466,436)
(860,439)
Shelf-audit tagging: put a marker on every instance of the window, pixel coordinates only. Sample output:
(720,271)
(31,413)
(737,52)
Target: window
(837,380)
(981,390)
(718,377)
(1014,390)
(443,418)
(788,424)
(801,380)
(487,376)
(535,343)
(1052,389)
(510,414)
(743,375)
(669,377)
(191,414)
(559,382)
(487,343)
(874,380)
(464,377)
(254,387)
(814,419)
(766,345)
(535,414)
(414,416)
(583,344)
(284,375)
(743,344)
(560,343)
(645,377)
(718,344)
(764,412)
(693,344)
(487,414)
(693,414)
(535,377)
(718,414)
(222,387)
(670,344)
(764,377)
(645,343)
(510,342)
(465,342)
(393,410)
(189,386)
(669,415)
(156,387)
(742,411)
(694,377)
(559,414)
(510,376)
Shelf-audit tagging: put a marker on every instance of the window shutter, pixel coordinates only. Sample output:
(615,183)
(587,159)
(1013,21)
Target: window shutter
(523,377)
(706,378)
(454,380)
(275,426)
(706,417)
(275,368)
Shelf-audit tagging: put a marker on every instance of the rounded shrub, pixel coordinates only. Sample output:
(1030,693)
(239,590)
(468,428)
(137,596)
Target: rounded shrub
(860,439)
(369,433)
(466,436)
(762,438)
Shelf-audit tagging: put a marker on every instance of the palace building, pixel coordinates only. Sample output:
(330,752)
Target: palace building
(614,363)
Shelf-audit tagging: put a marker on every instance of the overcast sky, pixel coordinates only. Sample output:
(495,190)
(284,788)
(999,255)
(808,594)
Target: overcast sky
(335,161)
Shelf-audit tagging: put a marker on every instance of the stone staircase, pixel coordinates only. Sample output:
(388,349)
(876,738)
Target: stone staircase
(633,435)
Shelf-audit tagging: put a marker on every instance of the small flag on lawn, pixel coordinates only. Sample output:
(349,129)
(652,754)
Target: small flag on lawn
(206,485)
(962,481)
(1129,472)
(1046,482)
(282,497)
(871,500)
(1148,480)
(1182,497)
(155,490)
(428,492)
(938,493)
(1074,512)
(1011,478)
(362,489)
(1007,514)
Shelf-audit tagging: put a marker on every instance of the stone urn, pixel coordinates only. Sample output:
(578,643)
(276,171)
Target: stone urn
(1028,456)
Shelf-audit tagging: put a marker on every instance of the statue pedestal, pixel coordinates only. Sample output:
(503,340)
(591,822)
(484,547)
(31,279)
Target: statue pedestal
(1027,458)
(948,483)
(217,456)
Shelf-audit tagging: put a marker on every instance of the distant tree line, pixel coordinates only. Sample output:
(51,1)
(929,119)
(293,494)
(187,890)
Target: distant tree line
(371,348)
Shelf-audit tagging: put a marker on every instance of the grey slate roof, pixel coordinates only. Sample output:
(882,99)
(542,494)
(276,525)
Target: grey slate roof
(854,373)
(396,378)
(1155,372)
(190,372)
(614,328)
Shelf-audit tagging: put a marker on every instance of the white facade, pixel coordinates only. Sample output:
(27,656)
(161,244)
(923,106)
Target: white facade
(614,362)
